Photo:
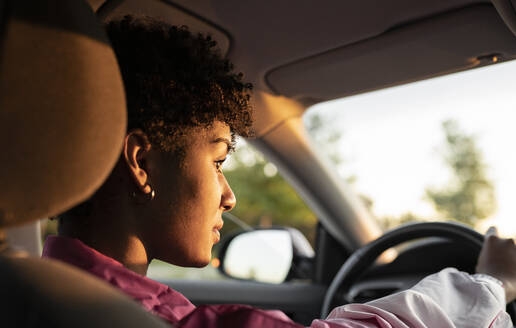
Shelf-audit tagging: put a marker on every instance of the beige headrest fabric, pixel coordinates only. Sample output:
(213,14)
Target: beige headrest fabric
(45,293)
(62,108)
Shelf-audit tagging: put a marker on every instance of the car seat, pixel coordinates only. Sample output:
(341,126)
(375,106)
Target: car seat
(62,123)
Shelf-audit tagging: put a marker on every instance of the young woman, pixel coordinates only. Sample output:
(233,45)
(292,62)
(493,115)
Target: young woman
(165,198)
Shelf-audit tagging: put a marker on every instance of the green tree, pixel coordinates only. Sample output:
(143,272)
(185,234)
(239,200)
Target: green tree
(264,197)
(389,222)
(326,137)
(469,197)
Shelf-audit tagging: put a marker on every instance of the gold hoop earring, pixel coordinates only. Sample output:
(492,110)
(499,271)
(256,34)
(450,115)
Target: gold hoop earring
(152,193)
(148,195)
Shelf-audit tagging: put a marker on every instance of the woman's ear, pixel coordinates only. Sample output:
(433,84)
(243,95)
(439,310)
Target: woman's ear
(136,149)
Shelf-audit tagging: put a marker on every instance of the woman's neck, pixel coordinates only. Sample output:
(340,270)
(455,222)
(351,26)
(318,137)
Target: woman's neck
(108,239)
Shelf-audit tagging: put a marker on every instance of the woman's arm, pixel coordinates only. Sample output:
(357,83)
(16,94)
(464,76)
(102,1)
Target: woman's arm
(448,299)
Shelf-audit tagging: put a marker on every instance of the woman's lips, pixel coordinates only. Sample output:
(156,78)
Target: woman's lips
(219,225)
(216,233)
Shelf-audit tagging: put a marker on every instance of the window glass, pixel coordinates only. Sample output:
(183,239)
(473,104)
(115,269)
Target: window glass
(439,149)
(264,198)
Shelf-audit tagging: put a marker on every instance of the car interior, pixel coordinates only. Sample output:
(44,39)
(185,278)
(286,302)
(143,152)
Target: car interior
(296,55)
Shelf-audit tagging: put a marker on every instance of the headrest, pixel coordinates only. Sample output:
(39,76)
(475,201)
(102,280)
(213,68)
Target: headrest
(62,108)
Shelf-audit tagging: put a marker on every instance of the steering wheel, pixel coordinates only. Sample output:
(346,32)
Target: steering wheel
(363,258)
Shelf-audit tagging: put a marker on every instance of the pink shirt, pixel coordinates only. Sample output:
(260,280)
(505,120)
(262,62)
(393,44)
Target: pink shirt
(154,296)
(448,299)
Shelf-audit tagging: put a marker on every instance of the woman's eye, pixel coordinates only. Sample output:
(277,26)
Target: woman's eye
(218,164)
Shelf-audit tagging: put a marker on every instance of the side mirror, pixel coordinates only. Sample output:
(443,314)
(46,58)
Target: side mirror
(267,255)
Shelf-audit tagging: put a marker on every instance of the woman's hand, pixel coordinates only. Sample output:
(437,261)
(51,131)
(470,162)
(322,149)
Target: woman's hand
(498,259)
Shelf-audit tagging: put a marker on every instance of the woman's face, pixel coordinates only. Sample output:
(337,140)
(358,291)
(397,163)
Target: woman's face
(191,195)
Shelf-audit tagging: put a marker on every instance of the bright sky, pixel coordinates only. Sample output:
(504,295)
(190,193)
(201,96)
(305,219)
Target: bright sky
(392,137)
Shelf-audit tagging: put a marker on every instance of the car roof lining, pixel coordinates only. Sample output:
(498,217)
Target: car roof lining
(269,35)
(283,54)
(399,56)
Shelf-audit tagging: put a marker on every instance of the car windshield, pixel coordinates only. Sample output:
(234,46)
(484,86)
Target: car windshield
(438,149)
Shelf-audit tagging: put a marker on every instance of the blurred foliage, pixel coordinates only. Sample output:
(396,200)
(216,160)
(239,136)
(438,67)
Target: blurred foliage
(264,198)
(390,222)
(161,270)
(327,137)
(469,196)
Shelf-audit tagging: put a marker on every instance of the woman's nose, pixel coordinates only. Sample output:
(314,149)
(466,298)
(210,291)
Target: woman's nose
(228,200)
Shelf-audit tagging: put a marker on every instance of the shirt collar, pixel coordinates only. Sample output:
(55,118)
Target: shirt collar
(154,296)
(75,252)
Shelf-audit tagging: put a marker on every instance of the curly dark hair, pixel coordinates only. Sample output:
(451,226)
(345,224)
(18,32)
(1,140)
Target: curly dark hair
(176,80)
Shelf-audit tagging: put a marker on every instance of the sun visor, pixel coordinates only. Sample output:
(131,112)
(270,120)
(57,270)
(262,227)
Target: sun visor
(442,44)
(62,108)
(507,10)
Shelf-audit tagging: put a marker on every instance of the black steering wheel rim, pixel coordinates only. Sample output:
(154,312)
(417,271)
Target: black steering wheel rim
(365,256)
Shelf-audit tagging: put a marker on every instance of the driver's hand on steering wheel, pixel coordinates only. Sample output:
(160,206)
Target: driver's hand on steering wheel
(498,259)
